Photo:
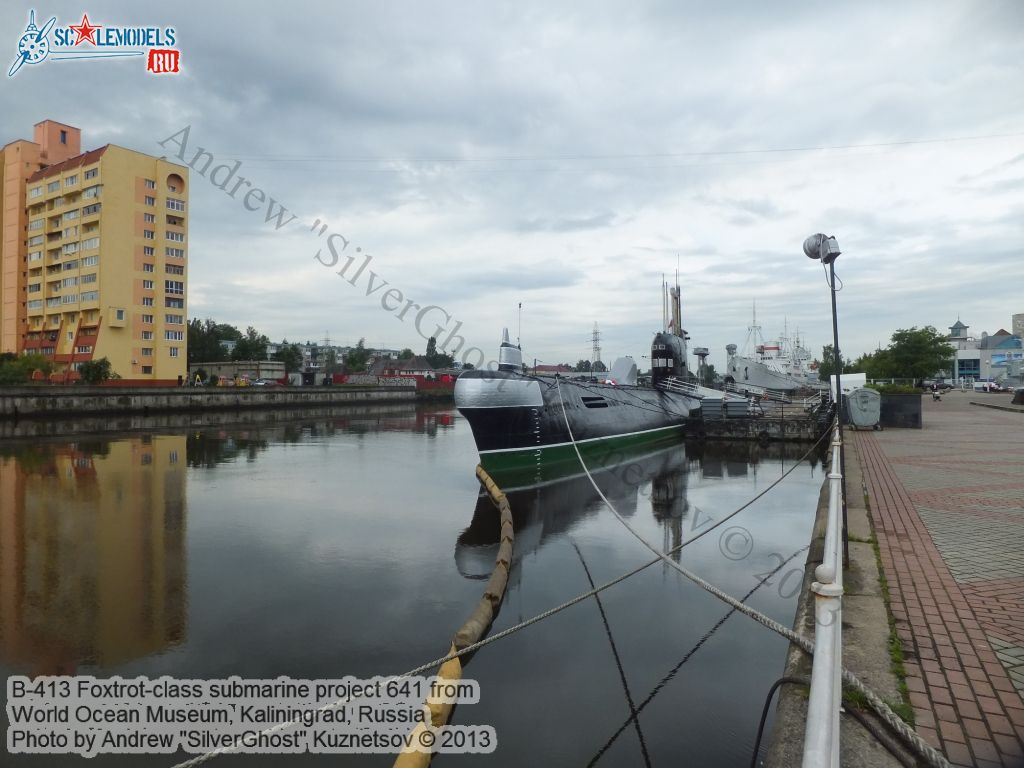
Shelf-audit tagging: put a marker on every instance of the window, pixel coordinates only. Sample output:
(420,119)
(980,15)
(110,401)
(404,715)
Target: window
(174,286)
(69,215)
(147,369)
(175,269)
(178,253)
(35,256)
(35,288)
(147,285)
(120,314)
(150,200)
(35,304)
(90,261)
(71,298)
(92,242)
(93,191)
(69,232)
(147,301)
(90,295)
(35,192)
(70,181)
(147,351)
(150,184)
(53,186)
(177,237)
(147,335)
(147,250)
(174,319)
(36,240)
(69,248)
(173,351)
(148,319)
(174,303)
(67,282)
(175,205)
(63,137)
(91,209)
(147,267)
(174,335)
(149,218)
(83,350)
(68,265)
(91,173)
(34,225)
(90,278)
(148,234)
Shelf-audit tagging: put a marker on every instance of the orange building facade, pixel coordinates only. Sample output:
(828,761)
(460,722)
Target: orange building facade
(93,257)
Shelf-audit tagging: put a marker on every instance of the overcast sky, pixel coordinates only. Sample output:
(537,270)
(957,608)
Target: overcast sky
(566,155)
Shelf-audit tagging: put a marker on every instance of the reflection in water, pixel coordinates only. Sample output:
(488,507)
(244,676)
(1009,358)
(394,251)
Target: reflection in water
(92,532)
(92,540)
(549,510)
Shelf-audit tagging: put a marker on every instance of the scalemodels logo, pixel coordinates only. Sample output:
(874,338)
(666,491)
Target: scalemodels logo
(99,41)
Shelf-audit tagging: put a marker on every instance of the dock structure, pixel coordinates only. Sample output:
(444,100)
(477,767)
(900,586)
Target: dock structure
(767,421)
(947,508)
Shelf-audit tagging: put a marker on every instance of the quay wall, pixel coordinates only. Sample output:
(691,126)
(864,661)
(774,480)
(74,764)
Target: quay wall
(37,402)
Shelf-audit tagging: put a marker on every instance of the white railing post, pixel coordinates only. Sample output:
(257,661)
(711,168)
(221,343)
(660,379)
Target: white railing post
(821,737)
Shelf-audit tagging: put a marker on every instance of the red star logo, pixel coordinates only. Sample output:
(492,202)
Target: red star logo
(86,32)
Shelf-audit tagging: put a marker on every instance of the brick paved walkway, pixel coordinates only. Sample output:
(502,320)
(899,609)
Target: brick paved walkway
(947,503)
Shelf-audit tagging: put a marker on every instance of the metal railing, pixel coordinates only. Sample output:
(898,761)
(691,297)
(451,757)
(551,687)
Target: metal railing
(821,737)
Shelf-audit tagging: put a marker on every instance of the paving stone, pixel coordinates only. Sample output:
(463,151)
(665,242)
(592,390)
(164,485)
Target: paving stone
(947,506)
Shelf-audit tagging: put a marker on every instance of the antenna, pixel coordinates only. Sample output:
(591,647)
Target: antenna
(596,353)
(519,332)
(664,304)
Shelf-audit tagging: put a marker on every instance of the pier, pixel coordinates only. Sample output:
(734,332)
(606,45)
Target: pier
(937,624)
(65,402)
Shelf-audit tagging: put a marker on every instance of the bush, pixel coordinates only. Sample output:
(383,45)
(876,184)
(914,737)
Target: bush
(95,371)
(18,370)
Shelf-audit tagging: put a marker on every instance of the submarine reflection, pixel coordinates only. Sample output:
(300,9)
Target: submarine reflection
(552,508)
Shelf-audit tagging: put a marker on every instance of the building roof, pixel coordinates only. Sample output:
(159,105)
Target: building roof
(958,326)
(418,363)
(72,162)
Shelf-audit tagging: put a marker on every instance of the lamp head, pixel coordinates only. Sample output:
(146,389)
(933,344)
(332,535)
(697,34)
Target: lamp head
(824,247)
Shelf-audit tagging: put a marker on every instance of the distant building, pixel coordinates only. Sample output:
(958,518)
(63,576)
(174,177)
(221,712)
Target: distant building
(988,358)
(93,255)
(554,369)
(413,366)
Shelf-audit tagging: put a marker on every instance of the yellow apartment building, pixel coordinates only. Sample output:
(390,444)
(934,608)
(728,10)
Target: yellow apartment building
(93,257)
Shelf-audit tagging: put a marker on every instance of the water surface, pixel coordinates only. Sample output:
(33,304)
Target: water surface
(355,541)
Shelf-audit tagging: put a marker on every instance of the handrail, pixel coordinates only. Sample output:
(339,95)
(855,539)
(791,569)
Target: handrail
(821,737)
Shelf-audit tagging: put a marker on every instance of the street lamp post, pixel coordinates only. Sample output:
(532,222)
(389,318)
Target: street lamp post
(826,249)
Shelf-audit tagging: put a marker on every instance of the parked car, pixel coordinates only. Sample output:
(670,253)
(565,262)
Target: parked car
(263,383)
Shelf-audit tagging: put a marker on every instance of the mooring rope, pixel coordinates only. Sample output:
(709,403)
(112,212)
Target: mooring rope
(926,751)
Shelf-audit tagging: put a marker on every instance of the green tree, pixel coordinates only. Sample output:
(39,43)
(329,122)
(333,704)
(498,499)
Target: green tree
(438,359)
(252,346)
(919,353)
(406,354)
(18,369)
(357,358)
(290,355)
(598,367)
(95,371)
(583,366)
(827,364)
(707,375)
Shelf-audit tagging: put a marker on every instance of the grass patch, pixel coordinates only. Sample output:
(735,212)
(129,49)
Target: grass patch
(861,539)
(903,708)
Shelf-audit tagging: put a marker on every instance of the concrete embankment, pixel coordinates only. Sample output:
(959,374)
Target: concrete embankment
(865,639)
(47,402)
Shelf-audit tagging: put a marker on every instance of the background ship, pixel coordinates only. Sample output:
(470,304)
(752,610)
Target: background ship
(782,365)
